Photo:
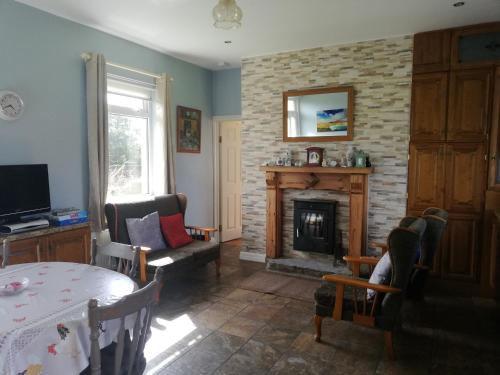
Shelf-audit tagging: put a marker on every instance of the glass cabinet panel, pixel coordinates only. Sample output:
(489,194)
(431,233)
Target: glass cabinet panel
(479,47)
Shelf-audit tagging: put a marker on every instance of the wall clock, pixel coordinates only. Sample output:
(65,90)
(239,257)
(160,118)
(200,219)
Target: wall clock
(11,105)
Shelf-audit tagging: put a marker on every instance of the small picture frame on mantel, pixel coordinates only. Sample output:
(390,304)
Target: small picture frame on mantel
(188,130)
(314,156)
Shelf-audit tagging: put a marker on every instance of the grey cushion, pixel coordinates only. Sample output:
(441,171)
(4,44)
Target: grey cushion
(381,274)
(146,232)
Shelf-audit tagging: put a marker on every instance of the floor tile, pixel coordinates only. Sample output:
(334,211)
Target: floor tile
(241,327)
(216,315)
(253,358)
(278,339)
(260,312)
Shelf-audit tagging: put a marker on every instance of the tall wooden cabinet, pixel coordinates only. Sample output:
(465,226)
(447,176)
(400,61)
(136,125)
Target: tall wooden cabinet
(451,121)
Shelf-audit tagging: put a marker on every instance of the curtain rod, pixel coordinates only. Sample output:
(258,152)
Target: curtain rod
(86,56)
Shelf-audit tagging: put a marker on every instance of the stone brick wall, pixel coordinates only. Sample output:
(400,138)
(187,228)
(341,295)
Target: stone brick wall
(380,72)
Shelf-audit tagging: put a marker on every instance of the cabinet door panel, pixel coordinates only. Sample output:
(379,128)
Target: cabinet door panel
(431,51)
(469,105)
(494,167)
(428,107)
(27,251)
(465,177)
(460,256)
(72,246)
(426,176)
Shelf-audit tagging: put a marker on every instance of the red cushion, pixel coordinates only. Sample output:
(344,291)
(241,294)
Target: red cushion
(173,230)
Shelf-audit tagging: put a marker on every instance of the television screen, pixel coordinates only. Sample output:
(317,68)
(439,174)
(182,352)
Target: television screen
(24,190)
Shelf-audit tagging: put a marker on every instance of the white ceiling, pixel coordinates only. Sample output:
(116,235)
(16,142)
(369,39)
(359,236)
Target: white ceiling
(184,28)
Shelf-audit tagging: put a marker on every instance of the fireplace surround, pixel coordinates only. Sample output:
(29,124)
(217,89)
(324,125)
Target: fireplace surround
(352,181)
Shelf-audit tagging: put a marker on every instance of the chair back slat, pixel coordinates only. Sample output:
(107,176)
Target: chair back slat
(120,345)
(132,353)
(127,256)
(5,253)
(139,303)
(144,333)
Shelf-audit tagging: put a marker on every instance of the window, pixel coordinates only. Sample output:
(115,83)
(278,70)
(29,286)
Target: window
(293,117)
(130,127)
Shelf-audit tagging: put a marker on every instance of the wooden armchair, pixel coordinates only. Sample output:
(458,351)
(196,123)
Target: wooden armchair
(367,303)
(436,220)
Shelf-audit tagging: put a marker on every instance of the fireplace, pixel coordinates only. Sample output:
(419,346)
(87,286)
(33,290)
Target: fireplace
(352,181)
(314,225)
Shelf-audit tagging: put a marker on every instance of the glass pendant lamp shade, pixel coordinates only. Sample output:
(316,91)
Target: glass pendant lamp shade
(227,15)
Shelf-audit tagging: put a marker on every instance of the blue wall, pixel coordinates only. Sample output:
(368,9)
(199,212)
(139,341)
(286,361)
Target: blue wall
(227,92)
(40,60)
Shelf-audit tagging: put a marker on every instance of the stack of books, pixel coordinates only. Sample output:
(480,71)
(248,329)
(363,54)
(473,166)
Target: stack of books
(67,216)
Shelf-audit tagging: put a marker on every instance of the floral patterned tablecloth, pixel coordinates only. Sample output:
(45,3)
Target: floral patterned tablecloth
(44,329)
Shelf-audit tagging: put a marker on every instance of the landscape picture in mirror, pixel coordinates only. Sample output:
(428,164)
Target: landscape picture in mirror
(318,115)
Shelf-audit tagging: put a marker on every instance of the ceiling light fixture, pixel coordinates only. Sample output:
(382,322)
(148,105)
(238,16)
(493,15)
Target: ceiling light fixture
(459,4)
(227,15)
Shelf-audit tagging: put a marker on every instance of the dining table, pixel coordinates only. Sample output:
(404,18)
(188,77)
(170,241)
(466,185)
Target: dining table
(44,328)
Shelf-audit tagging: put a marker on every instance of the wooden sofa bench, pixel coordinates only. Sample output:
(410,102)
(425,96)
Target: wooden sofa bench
(202,250)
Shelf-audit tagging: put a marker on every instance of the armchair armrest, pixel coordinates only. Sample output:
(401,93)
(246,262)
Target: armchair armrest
(379,245)
(357,283)
(359,317)
(372,261)
(356,263)
(200,232)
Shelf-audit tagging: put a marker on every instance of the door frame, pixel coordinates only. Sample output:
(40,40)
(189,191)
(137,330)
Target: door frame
(216,121)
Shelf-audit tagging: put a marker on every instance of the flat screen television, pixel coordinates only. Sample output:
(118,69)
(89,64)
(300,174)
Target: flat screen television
(24,191)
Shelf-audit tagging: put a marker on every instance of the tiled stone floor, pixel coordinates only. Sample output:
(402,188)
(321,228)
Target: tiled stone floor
(209,326)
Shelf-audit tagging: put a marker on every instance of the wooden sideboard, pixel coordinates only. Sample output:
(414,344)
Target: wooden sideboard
(53,244)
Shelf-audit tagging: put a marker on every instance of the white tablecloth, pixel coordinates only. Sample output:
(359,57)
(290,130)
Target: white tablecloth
(44,329)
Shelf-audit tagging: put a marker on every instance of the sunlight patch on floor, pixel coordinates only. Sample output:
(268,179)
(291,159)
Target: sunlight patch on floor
(166,333)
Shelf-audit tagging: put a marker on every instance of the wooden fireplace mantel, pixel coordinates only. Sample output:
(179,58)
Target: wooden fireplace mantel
(352,181)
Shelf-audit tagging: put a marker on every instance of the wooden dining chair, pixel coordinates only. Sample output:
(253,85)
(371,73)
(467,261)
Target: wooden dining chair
(126,256)
(5,253)
(128,357)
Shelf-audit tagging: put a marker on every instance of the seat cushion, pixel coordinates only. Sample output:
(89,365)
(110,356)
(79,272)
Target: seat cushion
(167,257)
(202,249)
(381,274)
(146,232)
(174,232)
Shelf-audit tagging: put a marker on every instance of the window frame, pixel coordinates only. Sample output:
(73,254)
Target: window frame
(148,114)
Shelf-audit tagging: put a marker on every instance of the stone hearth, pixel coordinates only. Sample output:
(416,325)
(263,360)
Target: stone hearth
(306,267)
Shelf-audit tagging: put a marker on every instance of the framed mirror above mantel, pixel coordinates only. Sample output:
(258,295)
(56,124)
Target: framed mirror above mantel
(318,115)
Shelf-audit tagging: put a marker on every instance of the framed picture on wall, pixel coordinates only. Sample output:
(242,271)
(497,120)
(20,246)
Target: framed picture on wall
(188,130)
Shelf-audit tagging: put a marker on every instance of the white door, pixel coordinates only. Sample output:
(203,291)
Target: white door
(230,180)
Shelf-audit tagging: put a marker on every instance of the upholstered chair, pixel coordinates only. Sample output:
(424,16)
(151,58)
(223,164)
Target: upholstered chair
(436,219)
(368,302)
